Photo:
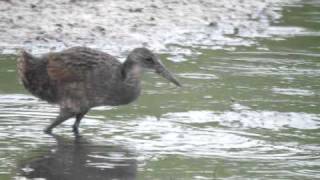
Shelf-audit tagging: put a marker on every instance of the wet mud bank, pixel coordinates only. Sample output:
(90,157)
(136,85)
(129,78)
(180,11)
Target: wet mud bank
(166,26)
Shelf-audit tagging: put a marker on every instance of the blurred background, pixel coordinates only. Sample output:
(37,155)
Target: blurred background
(249,107)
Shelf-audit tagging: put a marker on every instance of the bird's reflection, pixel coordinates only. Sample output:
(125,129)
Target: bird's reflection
(77,159)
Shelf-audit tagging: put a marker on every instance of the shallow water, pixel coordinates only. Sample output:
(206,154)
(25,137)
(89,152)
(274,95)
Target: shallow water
(249,112)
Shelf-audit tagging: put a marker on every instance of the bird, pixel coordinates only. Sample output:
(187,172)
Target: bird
(80,78)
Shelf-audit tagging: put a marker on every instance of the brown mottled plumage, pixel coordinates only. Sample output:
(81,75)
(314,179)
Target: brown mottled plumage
(80,78)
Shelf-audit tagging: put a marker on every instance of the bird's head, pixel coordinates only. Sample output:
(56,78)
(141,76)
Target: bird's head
(148,60)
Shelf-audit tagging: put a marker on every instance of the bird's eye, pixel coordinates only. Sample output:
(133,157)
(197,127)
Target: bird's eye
(149,60)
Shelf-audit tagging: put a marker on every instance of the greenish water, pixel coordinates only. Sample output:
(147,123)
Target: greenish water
(249,113)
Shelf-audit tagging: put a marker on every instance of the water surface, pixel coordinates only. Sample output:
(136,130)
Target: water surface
(249,112)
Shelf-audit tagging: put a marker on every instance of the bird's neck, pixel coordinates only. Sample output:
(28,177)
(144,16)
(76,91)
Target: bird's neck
(131,72)
(130,86)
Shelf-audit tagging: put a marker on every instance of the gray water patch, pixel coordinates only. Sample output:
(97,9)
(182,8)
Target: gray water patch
(270,120)
(263,70)
(200,76)
(293,91)
(119,26)
(29,115)
(170,138)
(239,107)
(153,138)
(223,134)
(250,119)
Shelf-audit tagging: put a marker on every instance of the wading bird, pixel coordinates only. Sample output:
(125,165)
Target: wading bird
(80,78)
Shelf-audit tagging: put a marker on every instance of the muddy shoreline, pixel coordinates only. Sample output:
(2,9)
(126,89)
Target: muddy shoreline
(118,26)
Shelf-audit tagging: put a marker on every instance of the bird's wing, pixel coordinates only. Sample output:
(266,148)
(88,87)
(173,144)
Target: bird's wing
(75,64)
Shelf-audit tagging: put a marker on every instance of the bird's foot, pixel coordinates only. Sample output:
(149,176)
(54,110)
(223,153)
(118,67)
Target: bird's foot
(48,131)
(75,130)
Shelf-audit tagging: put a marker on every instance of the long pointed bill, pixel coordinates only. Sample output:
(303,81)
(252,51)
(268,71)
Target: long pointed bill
(161,70)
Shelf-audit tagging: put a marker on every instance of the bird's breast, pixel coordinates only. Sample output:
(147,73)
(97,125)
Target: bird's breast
(112,92)
(126,94)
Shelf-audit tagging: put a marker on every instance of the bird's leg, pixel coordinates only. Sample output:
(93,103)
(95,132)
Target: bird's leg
(63,115)
(75,127)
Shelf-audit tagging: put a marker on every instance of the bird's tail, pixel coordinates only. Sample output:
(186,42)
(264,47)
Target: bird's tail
(33,74)
(24,63)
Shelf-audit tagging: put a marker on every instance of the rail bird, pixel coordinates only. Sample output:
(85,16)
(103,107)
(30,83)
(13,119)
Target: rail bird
(80,78)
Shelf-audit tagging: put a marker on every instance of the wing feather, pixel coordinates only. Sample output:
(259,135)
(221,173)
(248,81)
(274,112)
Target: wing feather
(75,64)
